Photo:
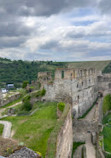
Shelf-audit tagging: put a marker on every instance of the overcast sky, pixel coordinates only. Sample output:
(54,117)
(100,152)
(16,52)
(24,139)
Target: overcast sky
(58,30)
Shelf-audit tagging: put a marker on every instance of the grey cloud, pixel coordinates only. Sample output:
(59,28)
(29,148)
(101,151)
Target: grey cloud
(14,29)
(105,6)
(50,45)
(41,7)
(11,42)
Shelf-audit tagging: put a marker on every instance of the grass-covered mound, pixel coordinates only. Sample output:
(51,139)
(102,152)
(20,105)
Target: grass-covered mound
(35,130)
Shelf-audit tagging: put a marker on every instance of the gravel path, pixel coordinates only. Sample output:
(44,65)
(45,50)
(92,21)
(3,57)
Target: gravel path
(7,124)
(7,129)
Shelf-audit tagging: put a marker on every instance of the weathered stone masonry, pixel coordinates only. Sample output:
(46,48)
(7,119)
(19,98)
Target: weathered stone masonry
(65,138)
(78,84)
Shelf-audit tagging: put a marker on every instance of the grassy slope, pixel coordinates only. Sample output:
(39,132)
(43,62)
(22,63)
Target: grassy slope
(1,129)
(11,103)
(35,130)
(99,65)
(107,132)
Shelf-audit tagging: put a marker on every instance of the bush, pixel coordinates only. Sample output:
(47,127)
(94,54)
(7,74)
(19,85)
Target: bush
(38,94)
(61,106)
(26,106)
(24,85)
(41,93)
(106,103)
(26,98)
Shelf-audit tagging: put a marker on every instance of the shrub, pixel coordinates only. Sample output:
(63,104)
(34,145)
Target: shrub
(61,106)
(43,92)
(26,98)
(24,85)
(38,94)
(106,103)
(26,106)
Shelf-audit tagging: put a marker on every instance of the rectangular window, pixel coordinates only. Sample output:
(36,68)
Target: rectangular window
(62,75)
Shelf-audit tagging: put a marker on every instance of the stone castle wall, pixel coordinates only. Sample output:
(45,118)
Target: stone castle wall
(65,139)
(79,84)
(104,82)
(9,99)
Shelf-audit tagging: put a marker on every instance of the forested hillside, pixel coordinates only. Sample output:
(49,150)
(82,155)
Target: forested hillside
(19,71)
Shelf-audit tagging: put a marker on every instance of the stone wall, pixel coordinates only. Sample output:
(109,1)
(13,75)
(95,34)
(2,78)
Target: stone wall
(80,85)
(9,99)
(65,139)
(104,82)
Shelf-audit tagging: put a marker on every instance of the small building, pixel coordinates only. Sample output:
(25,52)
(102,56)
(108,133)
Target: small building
(3,90)
(10,86)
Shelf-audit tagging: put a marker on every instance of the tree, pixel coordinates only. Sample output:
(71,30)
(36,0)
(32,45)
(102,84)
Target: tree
(24,85)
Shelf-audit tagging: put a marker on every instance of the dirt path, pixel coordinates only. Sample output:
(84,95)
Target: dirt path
(7,129)
(2,110)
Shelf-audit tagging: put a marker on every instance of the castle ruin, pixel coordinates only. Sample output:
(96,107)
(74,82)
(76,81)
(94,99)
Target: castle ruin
(78,86)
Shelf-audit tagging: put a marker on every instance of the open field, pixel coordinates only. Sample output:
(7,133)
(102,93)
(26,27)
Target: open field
(99,65)
(35,130)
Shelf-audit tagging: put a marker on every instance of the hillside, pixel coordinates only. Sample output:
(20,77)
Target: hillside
(18,71)
(99,65)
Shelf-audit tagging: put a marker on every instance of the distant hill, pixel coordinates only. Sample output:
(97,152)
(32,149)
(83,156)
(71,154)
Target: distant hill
(18,71)
(99,65)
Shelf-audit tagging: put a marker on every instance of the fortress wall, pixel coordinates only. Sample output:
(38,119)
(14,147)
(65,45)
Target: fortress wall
(79,85)
(9,99)
(65,139)
(104,82)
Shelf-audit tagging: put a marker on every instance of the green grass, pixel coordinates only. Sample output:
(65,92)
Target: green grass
(107,132)
(35,130)
(11,103)
(107,138)
(75,146)
(106,103)
(1,129)
(52,142)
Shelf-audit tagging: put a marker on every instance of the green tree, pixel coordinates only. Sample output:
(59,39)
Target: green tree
(24,85)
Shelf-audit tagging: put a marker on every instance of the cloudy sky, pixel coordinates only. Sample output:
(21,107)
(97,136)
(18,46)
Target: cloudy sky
(58,30)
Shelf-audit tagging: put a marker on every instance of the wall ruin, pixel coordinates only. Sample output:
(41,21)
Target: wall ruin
(65,139)
(79,84)
(9,99)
